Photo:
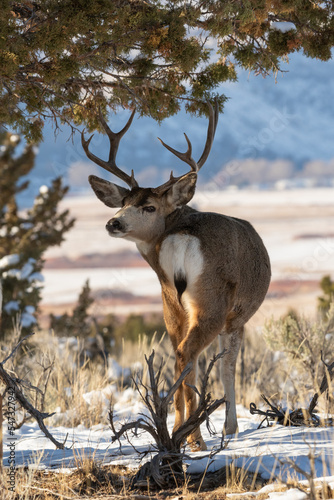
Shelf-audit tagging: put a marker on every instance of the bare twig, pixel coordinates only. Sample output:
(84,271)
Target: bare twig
(1,434)
(166,467)
(328,376)
(48,371)
(204,409)
(16,348)
(297,417)
(300,416)
(310,476)
(131,426)
(13,384)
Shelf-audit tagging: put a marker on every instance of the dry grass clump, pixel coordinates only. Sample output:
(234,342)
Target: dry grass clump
(301,347)
(134,352)
(63,374)
(70,380)
(91,479)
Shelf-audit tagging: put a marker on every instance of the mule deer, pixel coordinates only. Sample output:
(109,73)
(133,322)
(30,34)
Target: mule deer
(214,270)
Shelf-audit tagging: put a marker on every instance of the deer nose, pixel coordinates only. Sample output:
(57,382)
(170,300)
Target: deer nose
(113,224)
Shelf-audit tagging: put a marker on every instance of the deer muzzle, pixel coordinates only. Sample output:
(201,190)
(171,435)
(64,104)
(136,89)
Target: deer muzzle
(114,226)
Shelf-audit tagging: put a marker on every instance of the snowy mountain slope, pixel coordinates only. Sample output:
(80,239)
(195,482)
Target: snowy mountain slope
(291,119)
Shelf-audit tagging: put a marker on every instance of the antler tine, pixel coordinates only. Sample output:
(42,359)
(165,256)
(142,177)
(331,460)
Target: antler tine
(114,139)
(186,157)
(213,120)
(195,167)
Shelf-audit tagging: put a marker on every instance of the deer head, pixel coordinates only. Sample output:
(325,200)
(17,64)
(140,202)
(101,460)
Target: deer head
(143,211)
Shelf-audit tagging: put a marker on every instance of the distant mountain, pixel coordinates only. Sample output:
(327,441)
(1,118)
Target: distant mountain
(291,120)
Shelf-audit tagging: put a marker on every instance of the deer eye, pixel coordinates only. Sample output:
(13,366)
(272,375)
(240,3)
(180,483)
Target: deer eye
(149,209)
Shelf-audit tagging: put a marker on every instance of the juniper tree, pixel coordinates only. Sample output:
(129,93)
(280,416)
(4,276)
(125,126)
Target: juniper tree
(25,235)
(62,59)
(325,301)
(77,324)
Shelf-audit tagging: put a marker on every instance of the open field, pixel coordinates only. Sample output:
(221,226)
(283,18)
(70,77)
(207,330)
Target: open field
(297,227)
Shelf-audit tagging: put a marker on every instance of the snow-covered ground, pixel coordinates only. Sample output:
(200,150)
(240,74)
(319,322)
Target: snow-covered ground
(63,285)
(277,454)
(265,451)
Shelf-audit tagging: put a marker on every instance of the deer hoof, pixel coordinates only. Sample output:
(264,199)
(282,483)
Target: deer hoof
(197,444)
(230,429)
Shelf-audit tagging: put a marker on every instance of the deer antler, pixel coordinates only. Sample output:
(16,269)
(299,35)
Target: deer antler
(213,120)
(186,157)
(114,139)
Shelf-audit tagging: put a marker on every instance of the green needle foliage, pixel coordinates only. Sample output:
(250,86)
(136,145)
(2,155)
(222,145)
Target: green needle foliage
(62,59)
(325,301)
(78,324)
(25,235)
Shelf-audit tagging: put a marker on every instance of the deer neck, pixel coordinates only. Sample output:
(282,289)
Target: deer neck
(150,250)
(176,217)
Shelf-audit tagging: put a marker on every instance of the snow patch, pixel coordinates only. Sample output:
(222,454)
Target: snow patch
(26,270)
(100,397)
(115,371)
(283,26)
(27,318)
(14,230)
(43,190)
(36,277)
(9,260)
(11,306)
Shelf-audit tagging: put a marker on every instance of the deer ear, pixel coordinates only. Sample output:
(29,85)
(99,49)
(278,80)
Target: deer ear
(110,194)
(182,191)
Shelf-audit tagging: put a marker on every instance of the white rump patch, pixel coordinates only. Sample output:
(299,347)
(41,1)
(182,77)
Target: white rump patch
(181,255)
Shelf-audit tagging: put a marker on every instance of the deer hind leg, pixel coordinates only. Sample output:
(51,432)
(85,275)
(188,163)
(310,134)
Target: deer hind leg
(230,340)
(178,400)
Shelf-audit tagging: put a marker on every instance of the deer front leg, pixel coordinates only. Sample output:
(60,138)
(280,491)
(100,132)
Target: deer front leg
(189,400)
(176,323)
(197,338)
